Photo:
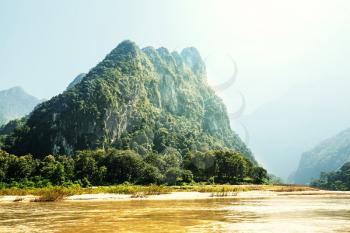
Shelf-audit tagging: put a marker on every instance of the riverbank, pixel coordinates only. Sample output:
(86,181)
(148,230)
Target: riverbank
(152,192)
(175,196)
(197,195)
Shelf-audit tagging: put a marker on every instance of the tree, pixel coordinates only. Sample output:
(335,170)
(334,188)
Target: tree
(231,166)
(259,174)
(150,175)
(112,166)
(52,170)
(202,165)
(21,167)
(155,160)
(123,166)
(5,161)
(336,180)
(100,176)
(173,176)
(85,166)
(68,165)
(187,176)
(172,158)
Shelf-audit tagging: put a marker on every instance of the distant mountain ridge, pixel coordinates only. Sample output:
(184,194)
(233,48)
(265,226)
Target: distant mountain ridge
(282,130)
(15,103)
(329,155)
(141,99)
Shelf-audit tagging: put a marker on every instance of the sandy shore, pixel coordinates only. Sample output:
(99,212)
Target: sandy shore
(175,196)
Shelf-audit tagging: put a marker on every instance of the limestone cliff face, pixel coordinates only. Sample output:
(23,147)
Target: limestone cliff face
(143,99)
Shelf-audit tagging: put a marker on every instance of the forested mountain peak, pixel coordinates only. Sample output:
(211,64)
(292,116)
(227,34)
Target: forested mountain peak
(148,100)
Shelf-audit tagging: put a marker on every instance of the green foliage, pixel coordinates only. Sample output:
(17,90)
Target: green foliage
(338,180)
(86,166)
(259,174)
(201,164)
(2,141)
(112,166)
(231,167)
(52,170)
(123,166)
(150,175)
(187,176)
(173,176)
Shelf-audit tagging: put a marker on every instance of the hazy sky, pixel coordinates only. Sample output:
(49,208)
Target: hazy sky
(276,44)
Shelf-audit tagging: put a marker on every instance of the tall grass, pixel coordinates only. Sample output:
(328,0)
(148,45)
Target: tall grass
(54,194)
(57,193)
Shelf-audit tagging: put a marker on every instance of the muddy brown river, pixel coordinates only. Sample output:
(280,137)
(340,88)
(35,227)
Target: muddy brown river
(286,213)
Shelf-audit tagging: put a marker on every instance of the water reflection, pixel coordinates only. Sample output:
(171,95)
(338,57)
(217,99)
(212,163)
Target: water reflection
(275,214)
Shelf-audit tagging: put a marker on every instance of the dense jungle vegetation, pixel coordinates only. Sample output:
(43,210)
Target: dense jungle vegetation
(337,180)
(110,167)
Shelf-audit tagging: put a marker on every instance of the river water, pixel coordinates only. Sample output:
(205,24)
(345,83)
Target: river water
(285,213)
